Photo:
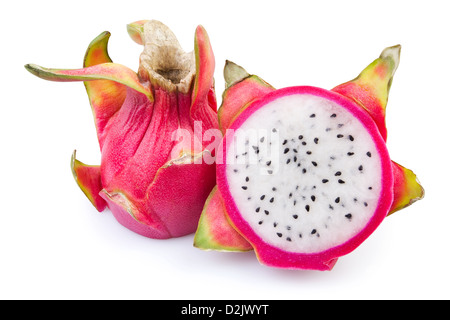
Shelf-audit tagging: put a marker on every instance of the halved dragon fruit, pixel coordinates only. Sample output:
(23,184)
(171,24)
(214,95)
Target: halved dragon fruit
(304,175)
(150,127)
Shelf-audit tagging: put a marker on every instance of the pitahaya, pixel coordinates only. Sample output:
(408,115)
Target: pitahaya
(304,175)
(154,181)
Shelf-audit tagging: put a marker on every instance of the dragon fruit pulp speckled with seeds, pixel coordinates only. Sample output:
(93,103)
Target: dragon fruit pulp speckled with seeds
(150,179)
(305,176)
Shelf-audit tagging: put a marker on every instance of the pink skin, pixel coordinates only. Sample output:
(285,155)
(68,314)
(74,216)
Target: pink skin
(214,229)
(238,96)
(147,178)
(325,260)
(368,99)
(165,217)
(132,177)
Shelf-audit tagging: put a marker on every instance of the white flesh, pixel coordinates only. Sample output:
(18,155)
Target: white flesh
(289,225)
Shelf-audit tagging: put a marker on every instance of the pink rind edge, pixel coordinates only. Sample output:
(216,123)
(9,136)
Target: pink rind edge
(325,260)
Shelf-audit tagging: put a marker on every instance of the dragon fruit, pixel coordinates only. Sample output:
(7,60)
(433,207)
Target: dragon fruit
(304,175)
(150,128)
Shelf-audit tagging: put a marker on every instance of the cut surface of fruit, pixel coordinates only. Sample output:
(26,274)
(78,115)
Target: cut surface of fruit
(305,178)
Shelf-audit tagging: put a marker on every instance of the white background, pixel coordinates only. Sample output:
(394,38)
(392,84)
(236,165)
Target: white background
(55,245)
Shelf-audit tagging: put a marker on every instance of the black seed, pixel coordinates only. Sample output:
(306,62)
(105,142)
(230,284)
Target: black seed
(295,216)
(360,168)
(290,195)
(284,142)
(262,197)
(295,150)
(266,212)
(369,154)
(348,216)
(340,125)
(288,239)
(274,130)
(337,200)
(308,152)
(268,163)
(338,173)
(370,188)
(275,224)
(313,198)
(324,180)
(274,189)
(307,207)
(288,160)
(316,140)
(298,165)
(304,170)
(331,207)
(341,181)
(312,115)
(300,137)
(271,200)
(257,209)
(288,227)
(333,115)
(279,234)
(249,198)
(247,179)
(328,129)
(286,150)
(355,200)
(313,231)
(235,170)
(269,171)
(340,136)
(295,202)
(304,143)
(255,148)
(262,139)
(244,187)
(351,137)
(314,163)
(295,158)
(260,222)
(350,153)
(332,157)
(299,235)
(365,204)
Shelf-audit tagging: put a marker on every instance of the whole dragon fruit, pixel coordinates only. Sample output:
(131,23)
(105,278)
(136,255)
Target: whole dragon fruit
(304,175)
(153,174)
